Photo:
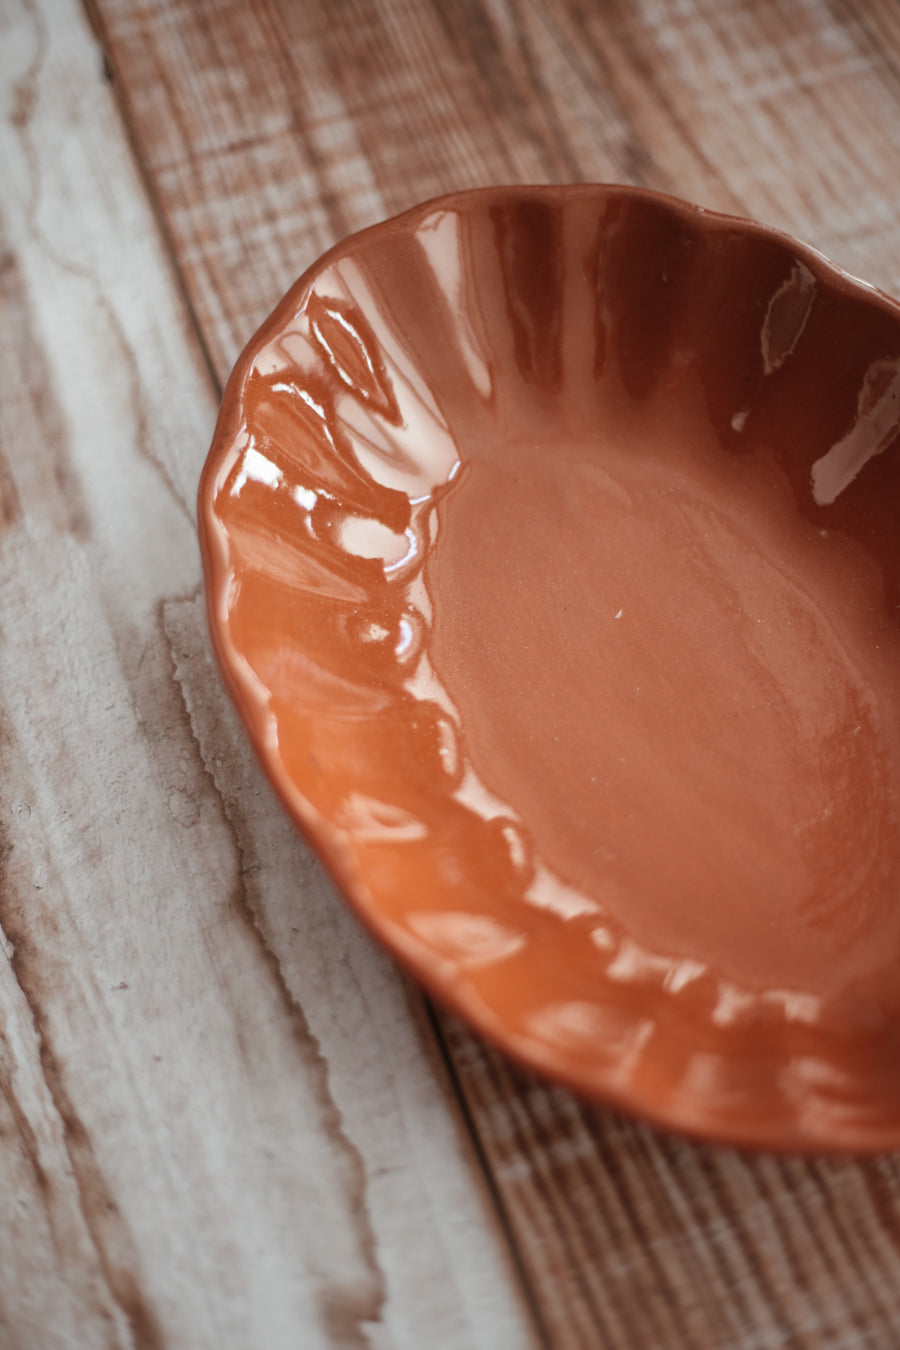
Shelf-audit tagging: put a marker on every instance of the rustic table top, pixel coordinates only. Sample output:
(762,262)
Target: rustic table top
(226,1120)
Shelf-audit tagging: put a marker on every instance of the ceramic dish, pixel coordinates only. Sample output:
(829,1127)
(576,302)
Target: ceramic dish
(552,558)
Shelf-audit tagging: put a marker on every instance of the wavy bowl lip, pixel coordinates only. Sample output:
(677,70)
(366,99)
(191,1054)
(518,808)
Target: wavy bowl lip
(757,1133)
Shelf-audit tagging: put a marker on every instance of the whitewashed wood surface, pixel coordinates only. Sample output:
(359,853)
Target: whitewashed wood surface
(225,1119)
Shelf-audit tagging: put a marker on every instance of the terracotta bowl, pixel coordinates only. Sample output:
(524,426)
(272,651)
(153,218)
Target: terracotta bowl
(552,556)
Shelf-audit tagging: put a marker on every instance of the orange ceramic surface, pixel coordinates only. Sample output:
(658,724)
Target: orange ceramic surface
(552,557)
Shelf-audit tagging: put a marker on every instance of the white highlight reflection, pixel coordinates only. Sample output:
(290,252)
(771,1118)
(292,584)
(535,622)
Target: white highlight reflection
(876,426)
(256,468)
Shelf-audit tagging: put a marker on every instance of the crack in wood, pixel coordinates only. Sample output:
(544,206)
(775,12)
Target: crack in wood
(116,1253)
(23,368)
(143,170)
(27,93)
(27,1137)
(10,505)
(344,1311)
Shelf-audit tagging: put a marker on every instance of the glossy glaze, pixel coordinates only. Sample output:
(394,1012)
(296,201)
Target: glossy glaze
(552,561)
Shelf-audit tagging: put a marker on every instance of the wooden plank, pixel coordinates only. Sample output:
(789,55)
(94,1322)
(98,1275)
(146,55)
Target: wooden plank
(223,1119)
(631,1237)
(785,113)
(266,130)
(270,129)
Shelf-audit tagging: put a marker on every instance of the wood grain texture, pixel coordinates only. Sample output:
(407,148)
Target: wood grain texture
(266,130)
(787,113)
(223,1118)
(632,1237)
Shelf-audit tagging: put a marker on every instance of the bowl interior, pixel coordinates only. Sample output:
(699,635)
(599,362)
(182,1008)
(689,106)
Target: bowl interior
(552,559)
